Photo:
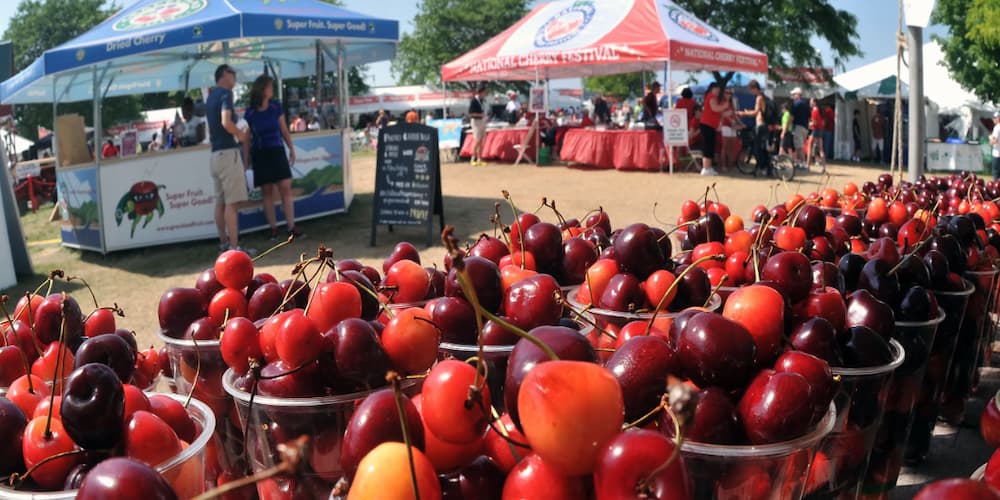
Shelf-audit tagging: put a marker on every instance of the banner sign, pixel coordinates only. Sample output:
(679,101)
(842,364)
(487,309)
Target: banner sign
(78,204)
(449,132)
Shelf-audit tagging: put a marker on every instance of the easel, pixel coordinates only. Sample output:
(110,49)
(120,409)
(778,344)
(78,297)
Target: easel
(533,133)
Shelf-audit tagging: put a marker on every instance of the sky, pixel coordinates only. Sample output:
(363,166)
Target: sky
(876,28)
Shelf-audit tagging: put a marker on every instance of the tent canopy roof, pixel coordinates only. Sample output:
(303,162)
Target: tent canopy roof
(161,45)
(869,81)
(573,38)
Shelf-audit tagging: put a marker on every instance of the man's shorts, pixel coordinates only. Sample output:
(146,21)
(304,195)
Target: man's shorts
(227,174)
(478,128)
(800,133)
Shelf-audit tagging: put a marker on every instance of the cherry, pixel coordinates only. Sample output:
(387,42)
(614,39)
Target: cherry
(45,438)
(12,424)
(714,350)
(208,284)
(716,420)
(792,271)
(228,303)
(19,334)
(12,365)
(957,489)
(443,455)
(641,366)
(26,308)
(937,266)
(298,291)
(638,251)
(332,303)
(776,407)
(864,348)
(630,467)
(124,478)
(49,319)
(876,279)
(175,415)
(570,410)
(110,350)
(437,279)
(100,321)
(298,340)
(456,319)
(411,341)
(816,371)
(544,241)
(489,248)
(448,412)
(566,343)
(178,308)
(534,301)
(534,477)
(863,309)
(624,293)
(135,400)
(54,365)
(93,407)
(359,360)
(693,290)
(827,303)
(385,473)
(149,439)
(27,391)
(240,343)
(578,255)
(817,336)
(366,290)
(258,281)
(761,310)
(402,251)
(501,450)
(376,421)
(280,379)
(408,282)
(264,301)
(918,304)
(519,259)
(479,479)
(485,278)
(234,269)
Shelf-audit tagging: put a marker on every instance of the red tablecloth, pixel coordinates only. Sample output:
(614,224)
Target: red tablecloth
(620,149)
(500,144)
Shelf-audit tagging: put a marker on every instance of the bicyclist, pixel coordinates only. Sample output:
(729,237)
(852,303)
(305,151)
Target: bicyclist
(760,130)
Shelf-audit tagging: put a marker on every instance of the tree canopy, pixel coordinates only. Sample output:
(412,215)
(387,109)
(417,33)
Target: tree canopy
(973,49)
(39,25)
(622,86)
(446,29)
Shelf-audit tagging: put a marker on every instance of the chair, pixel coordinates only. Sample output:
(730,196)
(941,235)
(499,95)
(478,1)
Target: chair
(690,160)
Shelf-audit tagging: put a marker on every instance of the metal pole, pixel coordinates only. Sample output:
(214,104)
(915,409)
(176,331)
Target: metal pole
(914,42)
(670,98)
(55,114)
(343,90)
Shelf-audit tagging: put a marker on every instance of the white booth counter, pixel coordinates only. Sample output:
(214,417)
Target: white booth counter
(168,197)
(949,156)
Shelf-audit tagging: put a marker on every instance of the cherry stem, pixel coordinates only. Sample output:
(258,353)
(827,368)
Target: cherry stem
(393,378)
(87,286)
(31,323)
(502,431)
(678,442)
(19,479)
(314,289)
(291,457)
(715,290)
(656,409)
(581,317)
(267,252)
(655,217)
(197,370)
(115,309)
(907,256)
(520,230)
(58,372)
(552,205)
(685,224)
(673,286)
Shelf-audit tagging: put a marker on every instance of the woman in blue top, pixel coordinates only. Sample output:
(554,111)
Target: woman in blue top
(271,167)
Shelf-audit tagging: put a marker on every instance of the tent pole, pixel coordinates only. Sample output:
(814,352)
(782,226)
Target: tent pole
(98,138)
(55,114)
(344,91)
(444,102)
(670,98)
(276,68)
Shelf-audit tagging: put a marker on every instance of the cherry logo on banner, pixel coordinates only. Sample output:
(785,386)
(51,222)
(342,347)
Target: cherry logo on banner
(565,25)
(690,23)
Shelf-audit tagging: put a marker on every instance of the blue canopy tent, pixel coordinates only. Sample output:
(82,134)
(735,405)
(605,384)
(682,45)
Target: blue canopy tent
(165,45)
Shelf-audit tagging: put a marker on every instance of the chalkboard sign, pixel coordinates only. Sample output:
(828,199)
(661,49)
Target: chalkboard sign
(407,179)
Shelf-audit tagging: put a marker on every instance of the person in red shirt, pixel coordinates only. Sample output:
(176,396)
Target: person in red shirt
(109,150)
(711,116)
(829,121)
(686,102)
(815,135)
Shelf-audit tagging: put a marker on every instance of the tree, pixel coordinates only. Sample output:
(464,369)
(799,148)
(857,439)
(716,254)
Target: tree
(621,86)
(39,25)
(356,74)
(445,29)
(973,49)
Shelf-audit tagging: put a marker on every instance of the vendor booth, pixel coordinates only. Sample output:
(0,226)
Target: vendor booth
(569,39)
(161,45)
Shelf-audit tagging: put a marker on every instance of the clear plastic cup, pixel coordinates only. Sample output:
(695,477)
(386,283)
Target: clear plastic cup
(929,403)
(969,349)
(186,472)
(773,471)
(271,421)
(612,321)
(227,447)
(886,460)
(843,455)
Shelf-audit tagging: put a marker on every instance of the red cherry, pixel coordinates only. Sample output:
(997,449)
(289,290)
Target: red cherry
(535,479)
(135,400)
(234,269)
(227,304)
(447,411)
(761,310)
(333,302)
(446,456)
(239,344)
(630,465)
(500,449)
(408,281)
(957,489)
(297,340)
(411,341)
(149,439)
(100,321)
(42,410)
(27,309)
(989,423)
(37,445)
(173,413)
(26,395)
(992,476)
(55,364)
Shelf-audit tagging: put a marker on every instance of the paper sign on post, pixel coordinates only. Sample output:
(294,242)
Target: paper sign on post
(536,100)
(675,127)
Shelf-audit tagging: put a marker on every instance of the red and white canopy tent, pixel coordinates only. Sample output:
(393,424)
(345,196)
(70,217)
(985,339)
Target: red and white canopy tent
(576,38)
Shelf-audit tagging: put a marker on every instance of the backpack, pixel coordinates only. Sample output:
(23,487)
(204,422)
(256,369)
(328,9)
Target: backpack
(770,112)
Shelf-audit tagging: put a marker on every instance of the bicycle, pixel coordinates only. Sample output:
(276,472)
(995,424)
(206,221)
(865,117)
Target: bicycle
(782,165)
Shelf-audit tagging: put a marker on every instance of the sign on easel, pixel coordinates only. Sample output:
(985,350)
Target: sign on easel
(675,132)
(536,99)
(407,179)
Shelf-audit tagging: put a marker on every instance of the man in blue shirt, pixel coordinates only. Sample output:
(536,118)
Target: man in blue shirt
(800,121)
(226,165)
